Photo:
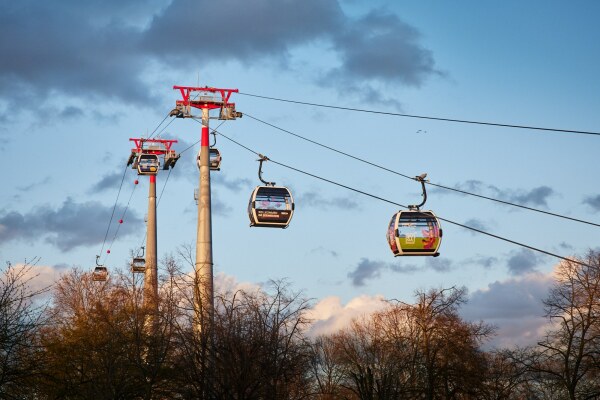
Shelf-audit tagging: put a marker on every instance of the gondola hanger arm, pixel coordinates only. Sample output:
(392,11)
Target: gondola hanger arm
(261,160)
(420,178)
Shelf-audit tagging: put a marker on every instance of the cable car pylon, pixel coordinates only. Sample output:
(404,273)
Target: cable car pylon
(205,99)
(145,158)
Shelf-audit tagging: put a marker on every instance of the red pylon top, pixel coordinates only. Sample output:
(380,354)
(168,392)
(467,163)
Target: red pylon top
(213,98)
(152,146)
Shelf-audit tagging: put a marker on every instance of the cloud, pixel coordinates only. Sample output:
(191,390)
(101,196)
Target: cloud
(566,246)
(323,250)
(314,199)
(536,196)
(439,264)
(69,226)
(477,224)
(366,269)
(514,306)
(109,181)
(403,268)
(40,278)
(85,52)
(267,28)
(523,261)
(228,283)
(234,185)
(107,50)
(219,207)
(380,47)
(533,197)
(329,315)
(593,201)
(71,112)
(370,269)
(28,188)
(484,261)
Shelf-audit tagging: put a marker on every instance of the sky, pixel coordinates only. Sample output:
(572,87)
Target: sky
(78,79)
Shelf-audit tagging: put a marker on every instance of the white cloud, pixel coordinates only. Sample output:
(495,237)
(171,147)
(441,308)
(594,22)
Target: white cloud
(514,306)
(329,315)
(39,278)
(228,283)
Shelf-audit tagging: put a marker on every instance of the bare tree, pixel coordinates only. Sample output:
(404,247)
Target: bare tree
(570,352)
(20,322)
(98,345)
(446,359)
(258,347)
(410,351)
(506,375)
(327,374)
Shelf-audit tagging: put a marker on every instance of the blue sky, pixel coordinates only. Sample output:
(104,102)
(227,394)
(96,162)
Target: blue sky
(78,80)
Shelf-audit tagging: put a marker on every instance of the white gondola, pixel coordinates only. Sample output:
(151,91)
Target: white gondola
(271,207)
(100,274)
(214,159)
(138,265)
(147,164)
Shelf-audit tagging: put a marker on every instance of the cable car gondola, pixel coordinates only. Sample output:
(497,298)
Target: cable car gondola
(214,159)
(147,164)
(270,206)
(415,232)
(100,273)
(138,263)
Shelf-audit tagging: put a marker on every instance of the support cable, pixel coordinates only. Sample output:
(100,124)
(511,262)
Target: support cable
(164,186)
(113,210)
(119,226)
(162,130)
(121,186)
(462,121)
(198,141)
(412,178)
(158,126)
(404,206)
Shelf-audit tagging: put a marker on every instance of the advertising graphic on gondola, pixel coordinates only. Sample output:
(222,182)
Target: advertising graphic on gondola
(414,233)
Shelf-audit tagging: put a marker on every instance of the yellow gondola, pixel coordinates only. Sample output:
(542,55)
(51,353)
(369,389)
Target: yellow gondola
(415,232)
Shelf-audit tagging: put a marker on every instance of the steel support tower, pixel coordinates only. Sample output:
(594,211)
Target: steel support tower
(152,147)
(205,99)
